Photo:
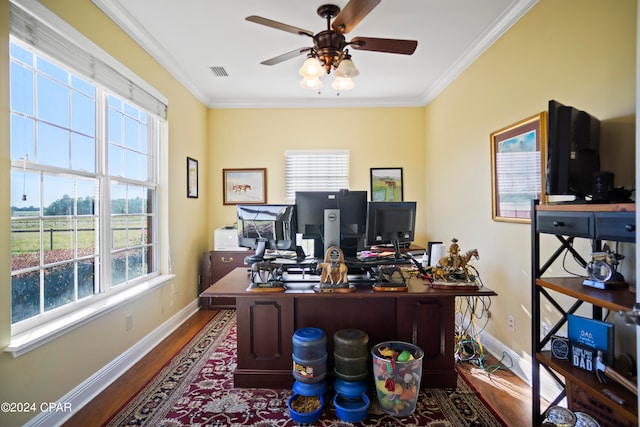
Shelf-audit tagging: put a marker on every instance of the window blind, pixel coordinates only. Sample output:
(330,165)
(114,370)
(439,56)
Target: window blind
(31,30)
(315,170)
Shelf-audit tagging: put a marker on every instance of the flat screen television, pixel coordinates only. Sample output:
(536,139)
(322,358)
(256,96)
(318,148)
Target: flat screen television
(391,223)
(352,207)
(573,151)
(262,227)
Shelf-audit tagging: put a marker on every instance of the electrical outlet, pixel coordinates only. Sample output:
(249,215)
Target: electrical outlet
(511,323)
(129,322)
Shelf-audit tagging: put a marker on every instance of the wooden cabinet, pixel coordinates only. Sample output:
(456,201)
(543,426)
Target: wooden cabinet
(612,222)
(213,267)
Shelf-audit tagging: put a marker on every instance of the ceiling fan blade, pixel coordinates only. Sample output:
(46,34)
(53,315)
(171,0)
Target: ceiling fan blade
(404,47)
(352,14)
(286,56)
(278,25)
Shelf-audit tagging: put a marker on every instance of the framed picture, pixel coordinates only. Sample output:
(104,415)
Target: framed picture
(518,161)
(192,178)
(245,186)
(386,185)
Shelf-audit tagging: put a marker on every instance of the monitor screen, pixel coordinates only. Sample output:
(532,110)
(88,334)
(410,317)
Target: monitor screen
(573,152)
(391,223)
(310,211)
(263,227)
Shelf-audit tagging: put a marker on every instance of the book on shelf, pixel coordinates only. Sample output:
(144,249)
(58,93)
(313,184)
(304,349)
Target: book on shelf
(592,333)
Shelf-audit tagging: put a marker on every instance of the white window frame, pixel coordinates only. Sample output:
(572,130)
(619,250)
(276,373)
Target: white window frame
(32,333)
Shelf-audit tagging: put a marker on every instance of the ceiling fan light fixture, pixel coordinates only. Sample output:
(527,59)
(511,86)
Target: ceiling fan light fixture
(311,83)
(346,68)
(311,69)
(329,51)
(343,83)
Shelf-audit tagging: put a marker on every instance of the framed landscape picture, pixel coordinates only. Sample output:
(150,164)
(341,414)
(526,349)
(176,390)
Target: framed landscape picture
(386,185)
(244,186)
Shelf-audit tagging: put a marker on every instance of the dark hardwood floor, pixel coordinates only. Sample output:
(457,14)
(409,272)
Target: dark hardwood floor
(503,390)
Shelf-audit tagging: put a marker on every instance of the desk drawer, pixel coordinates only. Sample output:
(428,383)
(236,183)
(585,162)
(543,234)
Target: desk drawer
(576,224)
(215,265)
(616,226)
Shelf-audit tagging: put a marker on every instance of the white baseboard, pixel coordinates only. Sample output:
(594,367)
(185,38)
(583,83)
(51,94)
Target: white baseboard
(92,386)
(519,365)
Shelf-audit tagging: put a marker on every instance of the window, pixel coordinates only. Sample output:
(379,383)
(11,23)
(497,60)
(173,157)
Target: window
(315,170)
(84,176)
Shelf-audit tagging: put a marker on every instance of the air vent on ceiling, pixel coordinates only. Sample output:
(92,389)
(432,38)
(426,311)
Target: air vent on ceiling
(219,71)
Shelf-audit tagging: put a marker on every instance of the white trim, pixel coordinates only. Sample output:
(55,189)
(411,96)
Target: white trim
(92,386)
(519,365)
(45,15)
(118,15)
(495,31)
(35,337)
(149,44)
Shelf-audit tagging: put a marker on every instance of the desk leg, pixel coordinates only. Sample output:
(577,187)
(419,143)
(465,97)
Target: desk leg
(430,324)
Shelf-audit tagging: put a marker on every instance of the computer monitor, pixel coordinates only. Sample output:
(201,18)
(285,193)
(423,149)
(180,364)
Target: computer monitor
(351,209)
(262,227)
(573,151)
(391,223)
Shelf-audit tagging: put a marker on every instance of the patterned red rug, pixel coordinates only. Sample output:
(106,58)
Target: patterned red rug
(196,389)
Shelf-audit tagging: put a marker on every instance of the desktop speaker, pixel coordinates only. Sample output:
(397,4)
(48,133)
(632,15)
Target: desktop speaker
(602,187)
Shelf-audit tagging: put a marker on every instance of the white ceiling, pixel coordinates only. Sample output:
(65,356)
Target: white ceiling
(189,37)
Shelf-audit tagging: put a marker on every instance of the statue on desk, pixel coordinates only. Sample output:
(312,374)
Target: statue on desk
(334,272)
(334,269)
(266,277)
(454,267)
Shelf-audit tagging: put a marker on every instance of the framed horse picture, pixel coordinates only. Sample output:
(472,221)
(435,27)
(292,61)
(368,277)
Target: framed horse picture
(244,186)
(386,185)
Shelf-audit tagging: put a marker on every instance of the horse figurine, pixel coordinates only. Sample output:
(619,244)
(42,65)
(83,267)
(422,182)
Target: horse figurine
(459,262)
(439,273)
(334,269)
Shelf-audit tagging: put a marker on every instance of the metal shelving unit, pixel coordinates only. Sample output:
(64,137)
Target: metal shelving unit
(567,222)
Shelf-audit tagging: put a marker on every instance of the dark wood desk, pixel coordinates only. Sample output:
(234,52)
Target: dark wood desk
(267,321)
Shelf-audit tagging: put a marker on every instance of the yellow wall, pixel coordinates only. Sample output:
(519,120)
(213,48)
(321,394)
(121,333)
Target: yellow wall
(579,52)
(257,138)
(47,373)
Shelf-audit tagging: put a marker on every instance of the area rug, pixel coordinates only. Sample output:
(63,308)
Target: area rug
(196,390)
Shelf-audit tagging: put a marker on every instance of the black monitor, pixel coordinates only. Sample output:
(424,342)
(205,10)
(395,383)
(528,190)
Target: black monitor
(262,227)
(311,207)
(573,151)
(391,223)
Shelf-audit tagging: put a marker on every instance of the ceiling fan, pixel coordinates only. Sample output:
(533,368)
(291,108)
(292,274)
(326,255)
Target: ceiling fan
(329,50)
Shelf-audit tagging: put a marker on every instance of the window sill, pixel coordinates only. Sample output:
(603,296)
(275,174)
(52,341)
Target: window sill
(35,337)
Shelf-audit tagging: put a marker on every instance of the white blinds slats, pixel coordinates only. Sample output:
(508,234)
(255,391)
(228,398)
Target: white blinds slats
(38,34)
(315,170)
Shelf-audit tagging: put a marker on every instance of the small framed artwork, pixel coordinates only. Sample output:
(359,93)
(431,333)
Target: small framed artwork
(244,186)
(518,162)
(386,185)
(192,178)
